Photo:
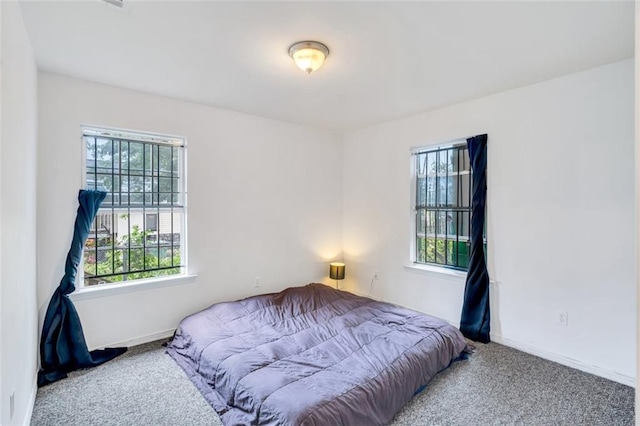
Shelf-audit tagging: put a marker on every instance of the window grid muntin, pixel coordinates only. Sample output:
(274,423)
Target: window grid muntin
(424,209)
(174,204)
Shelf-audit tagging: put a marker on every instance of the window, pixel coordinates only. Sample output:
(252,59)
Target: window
(138,232)
(151,222)
(443,182)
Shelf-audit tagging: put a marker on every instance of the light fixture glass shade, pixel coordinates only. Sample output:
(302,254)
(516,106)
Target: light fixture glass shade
(308,55)
(336,271)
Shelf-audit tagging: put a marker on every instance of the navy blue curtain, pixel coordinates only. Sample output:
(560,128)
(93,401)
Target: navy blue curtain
(474,321)
(62,345)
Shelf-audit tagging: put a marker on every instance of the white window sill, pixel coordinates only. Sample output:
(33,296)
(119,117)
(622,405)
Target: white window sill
(103,290)
(436,270)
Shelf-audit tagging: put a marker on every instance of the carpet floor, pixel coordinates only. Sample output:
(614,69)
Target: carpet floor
(497,385)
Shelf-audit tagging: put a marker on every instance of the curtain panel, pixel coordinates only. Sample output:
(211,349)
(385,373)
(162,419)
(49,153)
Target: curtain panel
(475,318)
(62,344)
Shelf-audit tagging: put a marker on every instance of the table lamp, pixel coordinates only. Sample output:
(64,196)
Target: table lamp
(336,271)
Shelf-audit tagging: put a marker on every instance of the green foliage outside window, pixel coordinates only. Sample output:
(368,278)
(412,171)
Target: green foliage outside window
(129,254)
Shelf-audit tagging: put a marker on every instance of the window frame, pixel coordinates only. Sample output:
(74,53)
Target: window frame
(84,291)
(414,264)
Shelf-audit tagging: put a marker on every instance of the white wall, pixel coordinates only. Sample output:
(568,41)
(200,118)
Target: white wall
(2,37)
(18,314)
(637,199)
(560,216)
(264,200)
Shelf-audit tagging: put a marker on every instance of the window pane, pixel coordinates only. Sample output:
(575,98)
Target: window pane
(136,184)
(128,239)
(441,223)
(452,255)
(103,156)
(431,179)
(134,259)
(443,162)
(136,161)
(467,160)
(455,160)
(430,250)
(104,258)
(164,184)
(118,199)
(420,222)
(148,159)
(151,221)
(454,191)
(136,198)
(114,184)
(177,160)
(90,146)
(463,231)
(443,186)
(89,257)
(421,191)
(158,246)
(124,183)
(465,190)
(421,252)
(97,250)
(444,183)
(422,164)
(166,162)
(148,184)
(431,191)
(440,251)
(104,182)
(431,163)
(431,222)
(124,158)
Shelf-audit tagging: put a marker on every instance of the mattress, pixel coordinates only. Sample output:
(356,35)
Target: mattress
(312,355)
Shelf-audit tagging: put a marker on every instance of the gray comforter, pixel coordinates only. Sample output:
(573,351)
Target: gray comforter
(311,356)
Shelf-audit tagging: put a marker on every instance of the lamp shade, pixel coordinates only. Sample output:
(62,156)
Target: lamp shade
(336,271)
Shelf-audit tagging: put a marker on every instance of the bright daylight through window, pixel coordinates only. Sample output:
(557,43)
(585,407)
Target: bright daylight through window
(138,232)
(443,180)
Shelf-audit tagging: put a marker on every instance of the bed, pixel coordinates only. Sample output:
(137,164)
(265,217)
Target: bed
(312,355)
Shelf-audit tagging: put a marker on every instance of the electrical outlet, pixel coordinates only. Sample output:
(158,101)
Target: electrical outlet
(12,404)
(562,318)
(257,283)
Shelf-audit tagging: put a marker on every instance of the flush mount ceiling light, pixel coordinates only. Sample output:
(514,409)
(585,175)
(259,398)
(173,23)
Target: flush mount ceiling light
(308,55)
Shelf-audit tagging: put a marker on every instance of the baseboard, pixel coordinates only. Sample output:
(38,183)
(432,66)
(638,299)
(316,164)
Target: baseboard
(551,356)
(165,334)
(32,400)
(564,360)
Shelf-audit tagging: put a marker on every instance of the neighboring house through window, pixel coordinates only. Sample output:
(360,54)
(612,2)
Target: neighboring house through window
(151,222)
(443,182)
(138,232)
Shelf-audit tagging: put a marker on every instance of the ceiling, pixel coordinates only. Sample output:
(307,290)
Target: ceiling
(387,60)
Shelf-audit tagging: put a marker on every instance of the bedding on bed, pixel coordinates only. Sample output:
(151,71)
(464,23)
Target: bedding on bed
(311,355)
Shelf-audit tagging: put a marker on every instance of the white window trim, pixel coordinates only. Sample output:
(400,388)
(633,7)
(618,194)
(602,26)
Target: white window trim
(441,271)
(83,292)
(95,291)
